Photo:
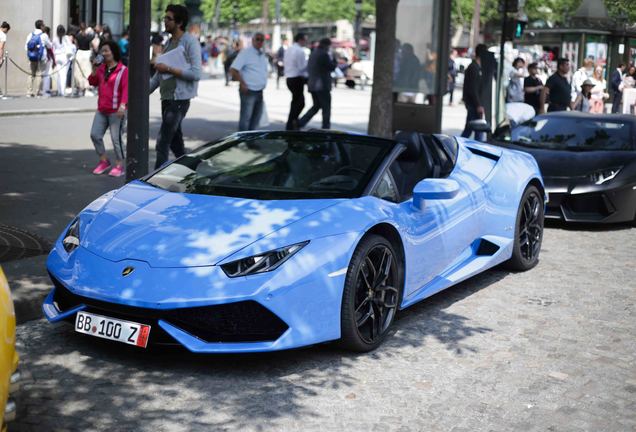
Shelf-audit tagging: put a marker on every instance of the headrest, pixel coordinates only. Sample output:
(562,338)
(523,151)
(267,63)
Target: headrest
(413,145)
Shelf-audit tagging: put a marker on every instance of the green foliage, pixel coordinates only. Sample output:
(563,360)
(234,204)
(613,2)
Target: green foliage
(292,10)
(556,12)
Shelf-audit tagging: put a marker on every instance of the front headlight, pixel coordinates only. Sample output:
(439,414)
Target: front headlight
(264,262)
(605,175)
(71,239)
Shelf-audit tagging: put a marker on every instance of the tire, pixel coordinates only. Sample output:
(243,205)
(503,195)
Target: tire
(371,298)
(528,231)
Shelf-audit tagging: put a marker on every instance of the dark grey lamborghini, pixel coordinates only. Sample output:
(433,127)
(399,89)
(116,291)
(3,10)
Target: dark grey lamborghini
(588,163)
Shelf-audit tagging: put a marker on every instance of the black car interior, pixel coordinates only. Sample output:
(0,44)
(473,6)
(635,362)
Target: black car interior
(425,156)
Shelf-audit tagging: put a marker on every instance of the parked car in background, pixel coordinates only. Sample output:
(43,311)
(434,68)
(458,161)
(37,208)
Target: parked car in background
(588,163)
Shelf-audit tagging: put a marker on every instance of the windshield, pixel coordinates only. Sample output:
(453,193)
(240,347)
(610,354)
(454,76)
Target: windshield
(277,166)
(577,134)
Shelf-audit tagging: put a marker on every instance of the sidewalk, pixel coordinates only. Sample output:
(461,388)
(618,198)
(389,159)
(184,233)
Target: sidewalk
(350,109)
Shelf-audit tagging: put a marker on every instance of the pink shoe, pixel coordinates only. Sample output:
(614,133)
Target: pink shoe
(118,171)
(101,167)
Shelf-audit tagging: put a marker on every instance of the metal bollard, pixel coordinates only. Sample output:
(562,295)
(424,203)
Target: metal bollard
(6,75)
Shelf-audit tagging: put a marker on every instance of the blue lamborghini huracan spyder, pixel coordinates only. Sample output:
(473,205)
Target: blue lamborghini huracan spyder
(265,241)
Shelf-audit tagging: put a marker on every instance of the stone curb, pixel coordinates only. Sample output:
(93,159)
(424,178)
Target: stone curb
(46,111)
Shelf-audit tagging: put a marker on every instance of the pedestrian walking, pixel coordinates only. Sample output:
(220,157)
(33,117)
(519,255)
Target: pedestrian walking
(63,52)
(319,68)
(156,48)
(176,86)
(295,67)
(532,86)
(36,44)
(4,29)
(615,81)
(472,90)
(250,70)
(49,63)
(583,101)
(599,91)
(280,62)
(229,55)
(82,63)
(515,81)
(583,73)
(111,80)
(557,87)
(628,87)
(452,76)
(123,47)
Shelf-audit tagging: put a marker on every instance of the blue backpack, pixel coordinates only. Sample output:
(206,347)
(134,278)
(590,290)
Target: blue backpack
(35,47)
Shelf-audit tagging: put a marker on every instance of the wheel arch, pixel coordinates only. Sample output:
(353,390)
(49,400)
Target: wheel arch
(539,185)
(390,232)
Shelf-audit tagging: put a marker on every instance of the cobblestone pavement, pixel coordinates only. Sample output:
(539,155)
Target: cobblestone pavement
(552,349)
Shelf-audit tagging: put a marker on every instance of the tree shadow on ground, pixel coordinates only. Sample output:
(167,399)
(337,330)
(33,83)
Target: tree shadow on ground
(79,382)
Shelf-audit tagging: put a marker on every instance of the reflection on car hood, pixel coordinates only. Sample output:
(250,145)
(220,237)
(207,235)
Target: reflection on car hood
(168,229)
(568,163)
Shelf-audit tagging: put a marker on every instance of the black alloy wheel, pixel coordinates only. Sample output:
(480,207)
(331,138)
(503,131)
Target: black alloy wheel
(372,294)
(528,232)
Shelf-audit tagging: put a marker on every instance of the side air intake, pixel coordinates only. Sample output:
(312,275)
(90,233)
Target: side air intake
(486,248)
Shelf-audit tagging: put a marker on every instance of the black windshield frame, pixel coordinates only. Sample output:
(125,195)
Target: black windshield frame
(378,150)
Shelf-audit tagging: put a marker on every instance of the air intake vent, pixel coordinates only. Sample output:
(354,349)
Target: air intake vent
(483,153)
(486,248)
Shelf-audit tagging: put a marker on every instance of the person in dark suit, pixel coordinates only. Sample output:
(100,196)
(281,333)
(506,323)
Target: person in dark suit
(473,84)
(319,68)
(615,82)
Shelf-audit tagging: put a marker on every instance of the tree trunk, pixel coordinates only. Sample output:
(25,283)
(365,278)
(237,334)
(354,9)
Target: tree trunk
(381,114)
(265,16)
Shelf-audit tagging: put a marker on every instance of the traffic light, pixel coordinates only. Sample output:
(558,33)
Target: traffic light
(519,28)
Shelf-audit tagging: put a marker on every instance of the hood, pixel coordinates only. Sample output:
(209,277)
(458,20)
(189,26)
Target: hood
(168,229)
(565,163)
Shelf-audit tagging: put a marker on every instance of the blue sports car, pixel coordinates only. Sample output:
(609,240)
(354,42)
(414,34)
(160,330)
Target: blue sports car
(265,241)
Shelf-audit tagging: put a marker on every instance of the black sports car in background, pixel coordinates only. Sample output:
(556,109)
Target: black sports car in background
(588,163)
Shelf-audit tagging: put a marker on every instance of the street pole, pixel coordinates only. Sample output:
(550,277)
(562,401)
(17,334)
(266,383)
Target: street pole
(138,89)
(357,30)
(276,37)
(500,65)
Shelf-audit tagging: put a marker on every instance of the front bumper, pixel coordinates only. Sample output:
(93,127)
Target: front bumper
(590,204)
(293,306)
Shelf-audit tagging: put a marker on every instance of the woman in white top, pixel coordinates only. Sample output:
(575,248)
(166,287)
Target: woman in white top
(599,91)
(63,49)
(48,59)
(628,87)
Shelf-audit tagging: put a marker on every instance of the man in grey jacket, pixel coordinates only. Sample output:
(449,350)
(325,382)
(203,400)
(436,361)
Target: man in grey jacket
(177,86)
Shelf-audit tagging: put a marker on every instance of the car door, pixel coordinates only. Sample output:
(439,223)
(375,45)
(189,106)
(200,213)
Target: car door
(438,237)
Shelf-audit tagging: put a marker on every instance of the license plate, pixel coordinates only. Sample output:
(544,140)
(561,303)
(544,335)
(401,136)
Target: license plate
(128,332)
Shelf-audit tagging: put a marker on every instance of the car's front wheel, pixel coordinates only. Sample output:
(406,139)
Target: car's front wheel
(528,232)
(371,294)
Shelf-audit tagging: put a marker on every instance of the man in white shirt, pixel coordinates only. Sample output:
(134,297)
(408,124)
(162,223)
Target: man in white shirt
(296,74)
(36,44)
(250,70)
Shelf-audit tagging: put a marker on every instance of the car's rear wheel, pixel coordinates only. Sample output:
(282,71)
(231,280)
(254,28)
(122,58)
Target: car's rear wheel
(371,294)
(528,231)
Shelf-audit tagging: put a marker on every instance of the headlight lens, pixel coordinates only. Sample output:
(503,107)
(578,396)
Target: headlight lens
(605,175)
(71,239)
(262,263)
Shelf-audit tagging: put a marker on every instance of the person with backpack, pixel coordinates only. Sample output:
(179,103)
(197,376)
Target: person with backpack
(37,42)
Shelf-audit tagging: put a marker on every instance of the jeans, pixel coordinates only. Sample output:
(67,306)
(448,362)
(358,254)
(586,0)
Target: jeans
(471,115)
(322,101)
(251,109)
(170,136)
(103,122)
(616,103)
(296,86)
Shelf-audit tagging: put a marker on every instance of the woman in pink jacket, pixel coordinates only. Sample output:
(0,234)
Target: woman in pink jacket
(111,79)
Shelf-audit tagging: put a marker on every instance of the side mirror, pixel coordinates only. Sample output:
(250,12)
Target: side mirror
(434,189)
(479,125)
